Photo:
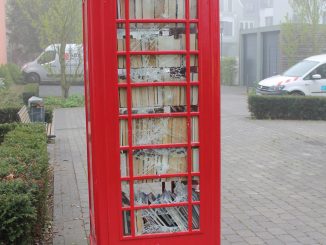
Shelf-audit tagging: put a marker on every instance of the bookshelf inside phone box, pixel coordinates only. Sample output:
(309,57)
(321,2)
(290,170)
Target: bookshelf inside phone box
(160,98)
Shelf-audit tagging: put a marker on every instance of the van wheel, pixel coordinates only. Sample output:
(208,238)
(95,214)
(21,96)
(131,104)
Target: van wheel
(297,93)
(32,78)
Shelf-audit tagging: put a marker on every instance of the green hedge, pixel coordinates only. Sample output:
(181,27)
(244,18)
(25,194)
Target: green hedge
(228,70)
(287,107)
(5,128)
(9,114)
(23,181)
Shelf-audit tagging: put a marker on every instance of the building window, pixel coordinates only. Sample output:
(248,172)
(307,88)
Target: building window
(244,25)
(227,27)
(230,5)
(269,21)
(266,4)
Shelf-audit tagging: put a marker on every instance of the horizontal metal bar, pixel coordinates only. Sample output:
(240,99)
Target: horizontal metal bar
(160,146)
(159,52)
(159,115)
(162,176)
(157,84)
(158,21)
(159,235)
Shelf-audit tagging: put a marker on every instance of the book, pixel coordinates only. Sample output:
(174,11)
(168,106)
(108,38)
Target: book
(195,160)
(194,129)
(169,43)
(148,9)
(180,9)
(124,168)
(193,9)
(138,9)
(121,62)
(159,9)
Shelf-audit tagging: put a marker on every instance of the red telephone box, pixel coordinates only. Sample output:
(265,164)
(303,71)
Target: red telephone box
(153,121)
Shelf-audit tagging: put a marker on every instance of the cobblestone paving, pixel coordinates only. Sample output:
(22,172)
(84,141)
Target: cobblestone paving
(68,156)
(273,178)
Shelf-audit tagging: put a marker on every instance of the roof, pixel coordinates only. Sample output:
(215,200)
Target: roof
(319,58)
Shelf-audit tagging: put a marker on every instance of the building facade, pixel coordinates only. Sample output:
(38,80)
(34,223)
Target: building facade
(242,15)
(3,42)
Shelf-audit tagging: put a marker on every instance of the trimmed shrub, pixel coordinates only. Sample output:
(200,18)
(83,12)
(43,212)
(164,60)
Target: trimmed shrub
(4,129)
(23,181)
(9,115)
(228,70)
(287,107)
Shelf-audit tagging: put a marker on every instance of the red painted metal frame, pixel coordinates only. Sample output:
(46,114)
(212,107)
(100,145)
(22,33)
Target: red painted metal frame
(102,116)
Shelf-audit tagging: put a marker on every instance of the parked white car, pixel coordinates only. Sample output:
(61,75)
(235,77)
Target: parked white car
(46,67)
(307,77)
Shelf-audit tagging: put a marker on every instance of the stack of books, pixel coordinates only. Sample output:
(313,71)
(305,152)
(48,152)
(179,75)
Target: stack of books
(164,220)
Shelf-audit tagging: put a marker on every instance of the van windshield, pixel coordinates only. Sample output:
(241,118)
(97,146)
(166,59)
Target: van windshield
(300,69)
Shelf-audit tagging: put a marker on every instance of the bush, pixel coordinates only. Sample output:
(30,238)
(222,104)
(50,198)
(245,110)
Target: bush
(23,181)
(9,115)
(228,70)
(4,129)
(287,107)
(11,74)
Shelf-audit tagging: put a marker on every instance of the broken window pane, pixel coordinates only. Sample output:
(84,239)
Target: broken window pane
(156,9)
(160,161)
(124,164)
(194,98)
(161,191)
(125,191)
(167,99)
(123,101)
(151,131)
(194,68)
(193,37)
(121,37)
(122,75)
(196,217)
(195,188)
(157,36)
(158,68)
(161,220)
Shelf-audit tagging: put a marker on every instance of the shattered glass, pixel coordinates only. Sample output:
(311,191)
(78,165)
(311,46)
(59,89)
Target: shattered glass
(153,131)
(174,190)
(158,68)
(160,161)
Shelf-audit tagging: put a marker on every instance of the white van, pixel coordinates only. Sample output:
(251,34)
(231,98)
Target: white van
(307,77)
(46,67)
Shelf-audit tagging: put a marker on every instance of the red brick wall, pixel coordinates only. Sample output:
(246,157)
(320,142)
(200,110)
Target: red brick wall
(3,50)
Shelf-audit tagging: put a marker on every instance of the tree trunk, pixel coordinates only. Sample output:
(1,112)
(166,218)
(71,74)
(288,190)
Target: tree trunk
(65,85)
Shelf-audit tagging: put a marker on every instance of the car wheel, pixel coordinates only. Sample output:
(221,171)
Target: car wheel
(32,78)
(297,93)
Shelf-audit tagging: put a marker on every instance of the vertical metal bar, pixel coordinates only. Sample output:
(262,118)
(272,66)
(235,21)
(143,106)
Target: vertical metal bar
(129,105)
(189,153)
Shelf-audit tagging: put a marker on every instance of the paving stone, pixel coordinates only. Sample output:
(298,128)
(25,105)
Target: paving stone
(273,182)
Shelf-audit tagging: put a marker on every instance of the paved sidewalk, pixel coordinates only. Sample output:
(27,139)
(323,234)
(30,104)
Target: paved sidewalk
(273,177)
(68,155)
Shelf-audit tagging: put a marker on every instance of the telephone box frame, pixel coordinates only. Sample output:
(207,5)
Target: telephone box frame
(102,119)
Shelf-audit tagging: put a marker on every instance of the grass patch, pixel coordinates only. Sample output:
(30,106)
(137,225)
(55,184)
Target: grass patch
(59,102)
